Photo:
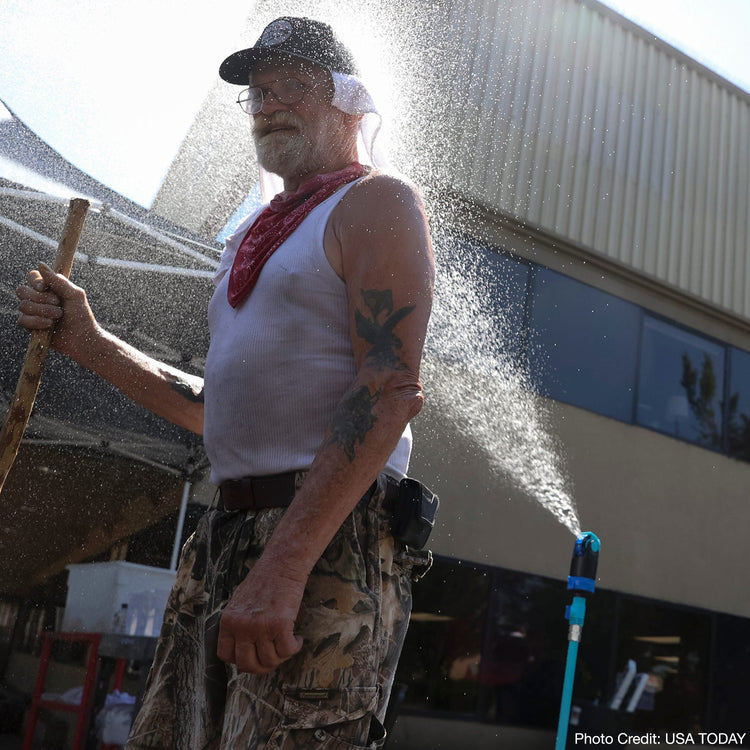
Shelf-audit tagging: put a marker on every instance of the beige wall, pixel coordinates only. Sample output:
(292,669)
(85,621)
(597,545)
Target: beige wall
(674,519)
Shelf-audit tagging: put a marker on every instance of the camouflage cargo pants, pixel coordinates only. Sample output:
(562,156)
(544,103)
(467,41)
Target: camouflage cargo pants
(332,694)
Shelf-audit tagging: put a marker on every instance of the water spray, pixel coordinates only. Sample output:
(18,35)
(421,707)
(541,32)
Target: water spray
(582,581)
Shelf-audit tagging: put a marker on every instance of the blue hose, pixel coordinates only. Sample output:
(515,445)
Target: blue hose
(577,613)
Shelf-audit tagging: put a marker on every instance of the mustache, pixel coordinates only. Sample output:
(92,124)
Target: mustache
(264,124)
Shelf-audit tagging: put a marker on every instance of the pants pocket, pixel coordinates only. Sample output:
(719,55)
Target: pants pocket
(323,719)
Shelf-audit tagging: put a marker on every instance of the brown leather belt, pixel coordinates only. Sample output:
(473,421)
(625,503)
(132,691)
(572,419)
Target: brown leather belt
(256,493)
(277,491)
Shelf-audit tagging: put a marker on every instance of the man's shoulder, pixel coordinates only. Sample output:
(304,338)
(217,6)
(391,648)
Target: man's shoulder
(381,214)
(380,195)
(379,184)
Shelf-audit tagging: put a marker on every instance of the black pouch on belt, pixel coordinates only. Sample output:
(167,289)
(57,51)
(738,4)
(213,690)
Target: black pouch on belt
(413,513)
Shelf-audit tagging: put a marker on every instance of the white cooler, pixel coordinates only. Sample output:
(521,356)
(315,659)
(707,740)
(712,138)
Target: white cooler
(97,591)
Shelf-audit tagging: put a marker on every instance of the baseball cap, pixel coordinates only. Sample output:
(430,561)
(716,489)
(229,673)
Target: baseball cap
(290,36)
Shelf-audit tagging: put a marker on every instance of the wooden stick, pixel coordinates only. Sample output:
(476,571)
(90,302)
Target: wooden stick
(31,374)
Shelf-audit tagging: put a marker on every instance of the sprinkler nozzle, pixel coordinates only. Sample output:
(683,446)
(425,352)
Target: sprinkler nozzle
(584,562)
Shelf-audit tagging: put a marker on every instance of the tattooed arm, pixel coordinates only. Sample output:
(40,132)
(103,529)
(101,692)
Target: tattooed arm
(378,242)
(48,298)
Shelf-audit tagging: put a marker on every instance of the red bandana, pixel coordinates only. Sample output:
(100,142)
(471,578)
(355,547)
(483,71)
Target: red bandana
(276,222)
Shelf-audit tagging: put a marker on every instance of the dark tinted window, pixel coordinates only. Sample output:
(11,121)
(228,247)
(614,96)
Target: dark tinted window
(521,668)
(491,645)
(730,668)
(523,661)
(738,412)
(588,348)
(583,345)
(671,646)
(506,280)
(489,287)
(440,661)
(681,383)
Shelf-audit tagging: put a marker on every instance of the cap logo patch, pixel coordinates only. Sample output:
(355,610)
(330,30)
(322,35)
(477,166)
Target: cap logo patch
(275,33)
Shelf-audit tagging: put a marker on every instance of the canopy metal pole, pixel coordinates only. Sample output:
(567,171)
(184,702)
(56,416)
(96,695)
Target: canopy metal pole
(180,524)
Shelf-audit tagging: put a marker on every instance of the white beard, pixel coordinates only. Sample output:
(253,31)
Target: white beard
(287,154)
(291,153)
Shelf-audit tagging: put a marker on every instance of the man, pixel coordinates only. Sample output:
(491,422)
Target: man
(286,623)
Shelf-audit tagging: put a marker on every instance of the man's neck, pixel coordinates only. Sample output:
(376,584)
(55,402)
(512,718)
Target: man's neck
(293,182)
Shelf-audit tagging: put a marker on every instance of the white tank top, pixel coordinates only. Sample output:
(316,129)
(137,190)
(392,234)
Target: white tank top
(280,362)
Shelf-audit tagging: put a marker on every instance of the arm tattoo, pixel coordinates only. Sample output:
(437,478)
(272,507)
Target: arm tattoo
(378,330)
(186,390)
(353,419)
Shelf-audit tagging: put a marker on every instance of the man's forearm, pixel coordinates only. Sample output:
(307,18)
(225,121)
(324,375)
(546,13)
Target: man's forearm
(49,300)
(164,390)
(363,433)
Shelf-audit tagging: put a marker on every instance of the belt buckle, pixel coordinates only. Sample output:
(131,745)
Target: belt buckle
(237,494)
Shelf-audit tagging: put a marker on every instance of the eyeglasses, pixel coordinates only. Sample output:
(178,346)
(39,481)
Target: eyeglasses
(285,91)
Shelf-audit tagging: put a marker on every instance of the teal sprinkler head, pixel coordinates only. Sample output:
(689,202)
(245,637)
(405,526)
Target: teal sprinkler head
(583,564)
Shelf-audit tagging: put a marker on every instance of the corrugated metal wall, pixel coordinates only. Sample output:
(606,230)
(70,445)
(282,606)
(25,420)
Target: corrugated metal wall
(572,120)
